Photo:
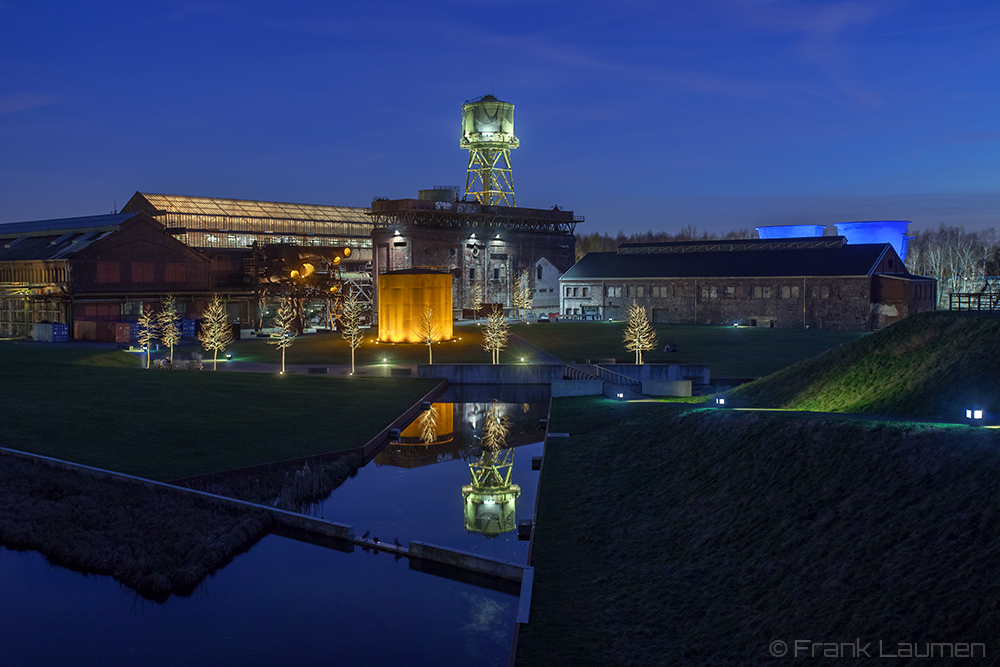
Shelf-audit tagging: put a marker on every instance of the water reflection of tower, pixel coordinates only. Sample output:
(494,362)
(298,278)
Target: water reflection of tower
(490,498)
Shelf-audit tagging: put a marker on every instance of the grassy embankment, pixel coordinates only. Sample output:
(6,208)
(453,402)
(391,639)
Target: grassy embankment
(671,535)
(928,366)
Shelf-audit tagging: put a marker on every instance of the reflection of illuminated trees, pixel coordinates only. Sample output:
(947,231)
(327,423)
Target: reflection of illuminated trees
(496,426)
(428,423)
(490,498)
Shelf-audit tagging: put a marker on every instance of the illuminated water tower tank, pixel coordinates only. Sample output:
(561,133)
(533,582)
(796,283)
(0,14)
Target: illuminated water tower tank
(488,134)
(789,231)
(877,231)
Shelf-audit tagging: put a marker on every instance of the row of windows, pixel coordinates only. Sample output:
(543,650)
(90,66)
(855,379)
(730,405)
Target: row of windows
(472,273)
(261,225)
(707,292)
(32,273)
(140,272)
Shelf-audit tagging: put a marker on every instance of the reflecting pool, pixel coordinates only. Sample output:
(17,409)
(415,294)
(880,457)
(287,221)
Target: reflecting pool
(290,602)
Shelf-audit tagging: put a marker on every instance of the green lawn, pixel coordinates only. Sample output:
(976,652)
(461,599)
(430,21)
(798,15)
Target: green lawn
(671,535)
(744,352)
(331,349)
(99,408)
(731,352)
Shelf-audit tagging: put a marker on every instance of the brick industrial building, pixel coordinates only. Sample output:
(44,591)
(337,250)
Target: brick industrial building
(477,243)
(820,282)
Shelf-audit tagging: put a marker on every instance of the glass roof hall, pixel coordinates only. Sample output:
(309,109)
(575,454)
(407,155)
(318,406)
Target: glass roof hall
(237,223)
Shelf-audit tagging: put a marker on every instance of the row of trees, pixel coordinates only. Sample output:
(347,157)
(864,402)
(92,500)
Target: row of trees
(959,260)
(162,326)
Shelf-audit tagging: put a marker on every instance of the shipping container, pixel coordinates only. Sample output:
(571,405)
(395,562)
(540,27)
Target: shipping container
(41,331)
(84,330)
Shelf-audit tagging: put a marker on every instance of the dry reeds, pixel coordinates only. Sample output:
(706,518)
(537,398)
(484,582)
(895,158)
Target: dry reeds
(157,542)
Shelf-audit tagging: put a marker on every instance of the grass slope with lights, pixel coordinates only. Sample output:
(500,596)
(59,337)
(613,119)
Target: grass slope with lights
(671,535)
(96,407)
(927,366)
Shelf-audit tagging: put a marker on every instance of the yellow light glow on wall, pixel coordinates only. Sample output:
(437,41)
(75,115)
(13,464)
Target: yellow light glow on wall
(402,297)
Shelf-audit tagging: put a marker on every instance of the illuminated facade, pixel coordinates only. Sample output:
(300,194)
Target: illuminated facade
(476,244)
(403,299)
(210,222)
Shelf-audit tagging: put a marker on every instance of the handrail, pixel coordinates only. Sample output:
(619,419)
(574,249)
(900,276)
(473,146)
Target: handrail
(618,378)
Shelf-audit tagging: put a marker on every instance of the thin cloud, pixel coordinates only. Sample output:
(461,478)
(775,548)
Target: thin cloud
(15,102)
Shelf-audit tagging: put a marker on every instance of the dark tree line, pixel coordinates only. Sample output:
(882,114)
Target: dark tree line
(959,260)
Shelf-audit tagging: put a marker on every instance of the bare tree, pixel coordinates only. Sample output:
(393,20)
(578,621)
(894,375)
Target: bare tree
(350,322)
(168,320)
(216,330)
(521,298)
(477,300)
(495,334)
(147,332)
(284,335)
(428,331)
(957,259)
(639,334)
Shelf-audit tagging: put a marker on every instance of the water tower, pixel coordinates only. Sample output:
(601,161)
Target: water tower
(488,133)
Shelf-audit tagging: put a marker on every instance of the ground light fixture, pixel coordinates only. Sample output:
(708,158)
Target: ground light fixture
(974,415)
(229,356)
(720,402)
(620,396)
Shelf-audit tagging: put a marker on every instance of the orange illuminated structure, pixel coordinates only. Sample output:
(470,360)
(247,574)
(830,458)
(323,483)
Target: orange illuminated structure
(402,298)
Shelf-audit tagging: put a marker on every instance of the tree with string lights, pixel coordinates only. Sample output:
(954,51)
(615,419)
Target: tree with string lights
(351,313)
(639,334)
(167,321)
(284,333)
(216,330)
(495,334)
(428,331)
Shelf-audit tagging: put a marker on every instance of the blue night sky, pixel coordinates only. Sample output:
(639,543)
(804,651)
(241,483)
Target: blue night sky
(638,115)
